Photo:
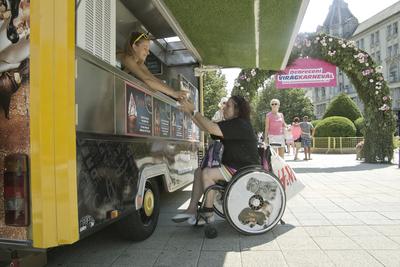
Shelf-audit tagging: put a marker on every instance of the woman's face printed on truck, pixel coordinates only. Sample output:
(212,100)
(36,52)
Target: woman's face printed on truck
(229,110)
(141,49)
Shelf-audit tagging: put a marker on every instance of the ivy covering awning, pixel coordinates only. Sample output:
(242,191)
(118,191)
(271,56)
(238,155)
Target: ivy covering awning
(239,33)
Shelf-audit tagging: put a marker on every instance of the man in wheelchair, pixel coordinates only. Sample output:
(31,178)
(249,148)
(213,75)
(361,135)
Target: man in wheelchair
(239,150)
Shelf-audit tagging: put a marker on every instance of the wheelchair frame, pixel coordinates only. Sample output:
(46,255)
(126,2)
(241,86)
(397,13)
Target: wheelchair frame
(253,219)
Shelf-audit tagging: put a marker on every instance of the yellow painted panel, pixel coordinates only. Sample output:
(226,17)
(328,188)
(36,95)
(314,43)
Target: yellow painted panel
(43,191)
(52,117)
(65,135)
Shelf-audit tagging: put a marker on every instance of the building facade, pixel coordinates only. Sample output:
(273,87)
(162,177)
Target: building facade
(378,36)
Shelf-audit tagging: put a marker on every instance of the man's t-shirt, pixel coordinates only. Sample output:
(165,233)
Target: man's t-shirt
(240,143)
(306,129)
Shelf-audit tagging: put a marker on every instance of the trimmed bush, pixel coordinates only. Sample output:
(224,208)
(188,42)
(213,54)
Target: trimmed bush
(335,126)
(343,106)
(315,122)
(360,126)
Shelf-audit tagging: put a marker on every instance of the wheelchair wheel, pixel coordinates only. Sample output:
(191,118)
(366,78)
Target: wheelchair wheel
(218,203)
(254,201)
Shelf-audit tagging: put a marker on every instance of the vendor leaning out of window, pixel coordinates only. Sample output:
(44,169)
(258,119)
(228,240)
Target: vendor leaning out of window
(132,60)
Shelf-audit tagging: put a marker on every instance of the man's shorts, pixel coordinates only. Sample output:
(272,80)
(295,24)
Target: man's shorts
(306,141)
(227,172)
(276,141)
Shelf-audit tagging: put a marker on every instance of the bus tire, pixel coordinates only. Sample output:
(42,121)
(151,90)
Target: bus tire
(141,224)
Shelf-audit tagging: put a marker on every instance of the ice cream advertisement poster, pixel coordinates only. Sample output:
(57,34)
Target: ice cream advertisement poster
(139,109)
(307,73)
(162,118)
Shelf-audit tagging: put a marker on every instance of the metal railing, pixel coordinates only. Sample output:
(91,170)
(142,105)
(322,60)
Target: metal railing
(335,144)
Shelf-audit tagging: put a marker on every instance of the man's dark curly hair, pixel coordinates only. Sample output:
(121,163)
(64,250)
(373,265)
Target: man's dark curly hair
(242,106)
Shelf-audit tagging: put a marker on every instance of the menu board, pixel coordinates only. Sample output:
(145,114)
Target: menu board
(139,108)
(162,118)
(176,123)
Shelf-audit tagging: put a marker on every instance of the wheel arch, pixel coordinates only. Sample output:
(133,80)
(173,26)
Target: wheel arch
(153,171)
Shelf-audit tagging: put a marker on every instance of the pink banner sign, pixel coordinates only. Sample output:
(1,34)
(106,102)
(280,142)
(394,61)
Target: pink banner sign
(305,73)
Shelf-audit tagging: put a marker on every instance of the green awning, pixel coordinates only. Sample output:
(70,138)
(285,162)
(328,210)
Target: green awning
(240,33)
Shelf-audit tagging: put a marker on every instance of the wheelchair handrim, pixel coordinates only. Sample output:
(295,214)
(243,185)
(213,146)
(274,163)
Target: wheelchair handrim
(238,207)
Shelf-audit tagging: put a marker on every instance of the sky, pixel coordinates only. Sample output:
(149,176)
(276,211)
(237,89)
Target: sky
(316,14)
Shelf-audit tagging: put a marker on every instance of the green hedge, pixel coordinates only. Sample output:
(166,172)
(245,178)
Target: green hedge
(343,106)
(335,126)
(360,126)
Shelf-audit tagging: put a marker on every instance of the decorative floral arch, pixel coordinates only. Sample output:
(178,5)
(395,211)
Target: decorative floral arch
(365,75)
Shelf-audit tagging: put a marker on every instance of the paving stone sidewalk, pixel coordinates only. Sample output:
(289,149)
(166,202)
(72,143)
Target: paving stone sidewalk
(348,215)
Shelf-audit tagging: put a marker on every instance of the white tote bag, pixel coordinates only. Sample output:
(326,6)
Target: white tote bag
(286,175)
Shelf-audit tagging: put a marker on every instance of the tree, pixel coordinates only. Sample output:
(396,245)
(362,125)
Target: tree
(293,103)
(343,106)
(248,82)
(214,90)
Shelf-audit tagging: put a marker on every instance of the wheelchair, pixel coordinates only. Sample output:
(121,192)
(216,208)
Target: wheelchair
(253,201)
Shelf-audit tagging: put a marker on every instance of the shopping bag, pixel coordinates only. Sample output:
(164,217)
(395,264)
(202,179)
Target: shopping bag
(213,156)
(286,175)
(265,155)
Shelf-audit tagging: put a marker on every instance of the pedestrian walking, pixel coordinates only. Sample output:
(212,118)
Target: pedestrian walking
(307,132)
(274,128)
(296,133)
(289,139)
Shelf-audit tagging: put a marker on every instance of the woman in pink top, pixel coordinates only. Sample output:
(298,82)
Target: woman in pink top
(296,132)
(274,128)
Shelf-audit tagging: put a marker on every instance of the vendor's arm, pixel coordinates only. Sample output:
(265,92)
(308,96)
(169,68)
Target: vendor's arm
(148,78)
(202,122)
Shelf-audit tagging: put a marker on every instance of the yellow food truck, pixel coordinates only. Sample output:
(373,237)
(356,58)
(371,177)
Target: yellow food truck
(84,144)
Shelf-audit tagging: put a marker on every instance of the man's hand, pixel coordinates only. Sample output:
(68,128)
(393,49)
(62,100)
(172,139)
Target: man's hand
(186,106)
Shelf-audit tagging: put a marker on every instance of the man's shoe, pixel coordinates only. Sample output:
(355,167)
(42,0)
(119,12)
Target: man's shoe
(181,217)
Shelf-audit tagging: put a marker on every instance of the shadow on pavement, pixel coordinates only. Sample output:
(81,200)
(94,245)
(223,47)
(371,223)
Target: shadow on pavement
(360,167)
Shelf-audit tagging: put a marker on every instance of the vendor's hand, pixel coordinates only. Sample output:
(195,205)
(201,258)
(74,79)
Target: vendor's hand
(186,106)
(180,95)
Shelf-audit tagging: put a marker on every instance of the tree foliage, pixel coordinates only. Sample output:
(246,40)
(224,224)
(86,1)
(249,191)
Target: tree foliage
(249,81)
(214,90)
(342,105)
(293,103)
